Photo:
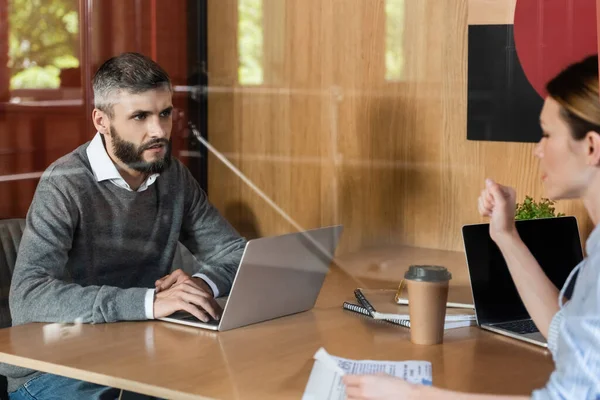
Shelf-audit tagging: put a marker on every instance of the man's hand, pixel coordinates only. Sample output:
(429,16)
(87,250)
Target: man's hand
(378,387)
(179,292)
(177,277)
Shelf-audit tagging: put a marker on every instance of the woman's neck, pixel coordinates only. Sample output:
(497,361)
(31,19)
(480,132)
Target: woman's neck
(591,200)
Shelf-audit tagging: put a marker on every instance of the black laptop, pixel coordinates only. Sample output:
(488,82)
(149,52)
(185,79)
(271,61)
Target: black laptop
(556,245)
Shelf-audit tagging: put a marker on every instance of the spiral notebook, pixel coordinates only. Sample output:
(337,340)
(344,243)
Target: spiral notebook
(403,322)
(361,310)
(380,305)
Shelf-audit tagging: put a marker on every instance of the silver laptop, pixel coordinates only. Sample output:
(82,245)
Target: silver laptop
(277,276)
(555,244)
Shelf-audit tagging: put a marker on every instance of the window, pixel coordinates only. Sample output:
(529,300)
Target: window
(394,39)
(43,44)
(250,42)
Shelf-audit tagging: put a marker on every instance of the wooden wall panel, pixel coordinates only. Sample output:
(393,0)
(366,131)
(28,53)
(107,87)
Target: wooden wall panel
(491,12)
(30,139)
(331,141)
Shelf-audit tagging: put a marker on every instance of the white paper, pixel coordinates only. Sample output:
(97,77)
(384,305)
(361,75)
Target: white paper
(404,301)
(325,381)
(328,361)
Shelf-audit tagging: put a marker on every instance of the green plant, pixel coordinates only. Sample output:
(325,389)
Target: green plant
(530,209)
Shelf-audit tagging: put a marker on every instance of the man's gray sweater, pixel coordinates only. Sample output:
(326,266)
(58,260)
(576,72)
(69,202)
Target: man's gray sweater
(91,249)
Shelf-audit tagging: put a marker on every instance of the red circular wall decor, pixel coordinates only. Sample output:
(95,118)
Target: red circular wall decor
(551,34)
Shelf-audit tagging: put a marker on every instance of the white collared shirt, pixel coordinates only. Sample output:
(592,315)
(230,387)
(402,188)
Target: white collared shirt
(104,169)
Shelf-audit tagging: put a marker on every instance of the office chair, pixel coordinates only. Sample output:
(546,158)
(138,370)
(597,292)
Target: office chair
(11,231)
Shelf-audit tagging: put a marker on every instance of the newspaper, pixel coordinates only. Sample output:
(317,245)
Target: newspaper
(325,381)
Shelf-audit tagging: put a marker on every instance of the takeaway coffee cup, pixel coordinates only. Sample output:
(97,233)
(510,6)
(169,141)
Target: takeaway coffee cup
(427,287)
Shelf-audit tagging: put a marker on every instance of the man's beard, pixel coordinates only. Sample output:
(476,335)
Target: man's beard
(132,155)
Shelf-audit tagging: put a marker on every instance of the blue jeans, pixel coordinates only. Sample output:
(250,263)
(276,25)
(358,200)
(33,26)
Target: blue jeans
(54,387)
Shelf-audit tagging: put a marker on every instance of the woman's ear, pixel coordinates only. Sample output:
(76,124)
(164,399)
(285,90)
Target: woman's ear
(592,142)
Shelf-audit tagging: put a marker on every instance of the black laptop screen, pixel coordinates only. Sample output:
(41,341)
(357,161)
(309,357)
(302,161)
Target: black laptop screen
(555,244)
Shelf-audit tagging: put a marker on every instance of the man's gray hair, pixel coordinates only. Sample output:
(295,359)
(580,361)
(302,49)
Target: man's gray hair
(130,72)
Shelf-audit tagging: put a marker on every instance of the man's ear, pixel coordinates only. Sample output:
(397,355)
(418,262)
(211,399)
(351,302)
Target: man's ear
(101,121)
(592,142)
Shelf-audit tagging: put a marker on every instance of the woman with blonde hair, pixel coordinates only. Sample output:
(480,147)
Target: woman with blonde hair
(569,156)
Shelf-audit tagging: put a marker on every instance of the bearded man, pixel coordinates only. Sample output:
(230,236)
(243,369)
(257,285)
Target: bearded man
(105,222)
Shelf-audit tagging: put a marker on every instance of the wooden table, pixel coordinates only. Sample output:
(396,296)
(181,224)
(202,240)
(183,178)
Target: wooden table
(273,360)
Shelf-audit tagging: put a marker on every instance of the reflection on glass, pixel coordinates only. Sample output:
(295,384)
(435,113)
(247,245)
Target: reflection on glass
(394,42)
(250,42)
(43,43)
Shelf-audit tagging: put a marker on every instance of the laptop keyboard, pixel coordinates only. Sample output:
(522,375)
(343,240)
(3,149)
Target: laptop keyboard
(521,327)
(185,316)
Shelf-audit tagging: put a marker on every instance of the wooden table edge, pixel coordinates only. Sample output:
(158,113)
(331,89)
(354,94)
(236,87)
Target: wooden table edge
(100,379)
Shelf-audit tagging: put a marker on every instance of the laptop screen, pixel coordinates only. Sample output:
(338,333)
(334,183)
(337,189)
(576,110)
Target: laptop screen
(555,244)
